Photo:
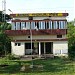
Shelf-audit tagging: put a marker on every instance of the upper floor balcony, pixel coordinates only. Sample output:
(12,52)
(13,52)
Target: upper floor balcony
(36,32)
(45,27)
(40,24)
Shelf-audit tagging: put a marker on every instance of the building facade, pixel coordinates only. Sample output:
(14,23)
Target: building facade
(39,33)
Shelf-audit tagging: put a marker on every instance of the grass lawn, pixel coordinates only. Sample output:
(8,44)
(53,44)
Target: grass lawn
(56,66)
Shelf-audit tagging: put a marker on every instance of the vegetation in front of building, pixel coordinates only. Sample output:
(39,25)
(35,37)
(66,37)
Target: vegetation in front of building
(57,66)
(5,45)
(71,40)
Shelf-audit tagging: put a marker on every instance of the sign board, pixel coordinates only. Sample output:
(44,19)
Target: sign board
(40,15)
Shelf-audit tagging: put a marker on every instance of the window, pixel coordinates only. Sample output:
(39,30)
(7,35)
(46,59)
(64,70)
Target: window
(18,26)
(50,24)
(62,24)
(47,25)
(59,36)
(55,24)
(28,45)
(37,24)
(32,25)
(17,44)
(28,25)
(13,26)
(42,25)
(30,18)
(23,25)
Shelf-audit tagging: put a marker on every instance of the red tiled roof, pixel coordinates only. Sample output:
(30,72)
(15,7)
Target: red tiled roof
(34,32)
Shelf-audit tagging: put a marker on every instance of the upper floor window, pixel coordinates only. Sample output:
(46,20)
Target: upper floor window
(18,26)
(23,25)
(42,25)
(27,25)
(47,24)
(62,24)
(30,18)
(13,26)
(50,24)
(39,24)
(32,25)
(55,26)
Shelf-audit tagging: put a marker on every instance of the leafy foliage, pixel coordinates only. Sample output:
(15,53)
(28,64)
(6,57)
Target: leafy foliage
(71,40)
(5,41)
(4,17)
(71,34)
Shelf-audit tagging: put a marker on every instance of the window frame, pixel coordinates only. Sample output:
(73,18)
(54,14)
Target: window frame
(59,36)
(17,44)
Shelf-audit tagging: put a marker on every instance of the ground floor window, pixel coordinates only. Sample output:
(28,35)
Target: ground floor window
(17,44)
(28,45)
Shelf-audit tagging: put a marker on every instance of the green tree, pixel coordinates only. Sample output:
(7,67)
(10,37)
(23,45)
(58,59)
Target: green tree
(71,34)
(71,40)
(4,17)
(4,39)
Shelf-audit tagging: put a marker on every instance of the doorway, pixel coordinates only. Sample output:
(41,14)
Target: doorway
(42,48)
(28,48)
(49,47)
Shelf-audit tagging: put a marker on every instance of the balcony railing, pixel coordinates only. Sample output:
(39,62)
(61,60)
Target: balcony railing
(34,32)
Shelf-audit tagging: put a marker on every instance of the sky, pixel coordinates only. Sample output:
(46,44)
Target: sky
(41,6)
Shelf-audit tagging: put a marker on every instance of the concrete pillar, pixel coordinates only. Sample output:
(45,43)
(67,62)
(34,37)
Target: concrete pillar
(53,49)
(39,49)
(44,49)
(24,49)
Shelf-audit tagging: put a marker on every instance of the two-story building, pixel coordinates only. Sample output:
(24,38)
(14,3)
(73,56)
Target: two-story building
(39,33)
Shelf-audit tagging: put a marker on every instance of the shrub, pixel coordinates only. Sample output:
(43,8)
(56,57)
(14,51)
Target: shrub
(72,52)
(11,57)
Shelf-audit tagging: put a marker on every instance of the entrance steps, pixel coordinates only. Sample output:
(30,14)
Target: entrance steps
(48,55)
(30,57)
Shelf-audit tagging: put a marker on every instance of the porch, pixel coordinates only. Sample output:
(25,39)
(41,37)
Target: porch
(40,49)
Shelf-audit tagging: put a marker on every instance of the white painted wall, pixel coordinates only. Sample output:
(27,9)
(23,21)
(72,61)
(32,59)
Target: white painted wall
(60,47)
(41,18)
(18,50)
(21,18)
(52,18)
(38,37)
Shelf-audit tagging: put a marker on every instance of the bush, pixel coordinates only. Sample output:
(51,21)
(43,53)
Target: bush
(72,52)
(11,57)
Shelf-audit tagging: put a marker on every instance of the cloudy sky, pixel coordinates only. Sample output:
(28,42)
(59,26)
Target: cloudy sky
(40,6)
